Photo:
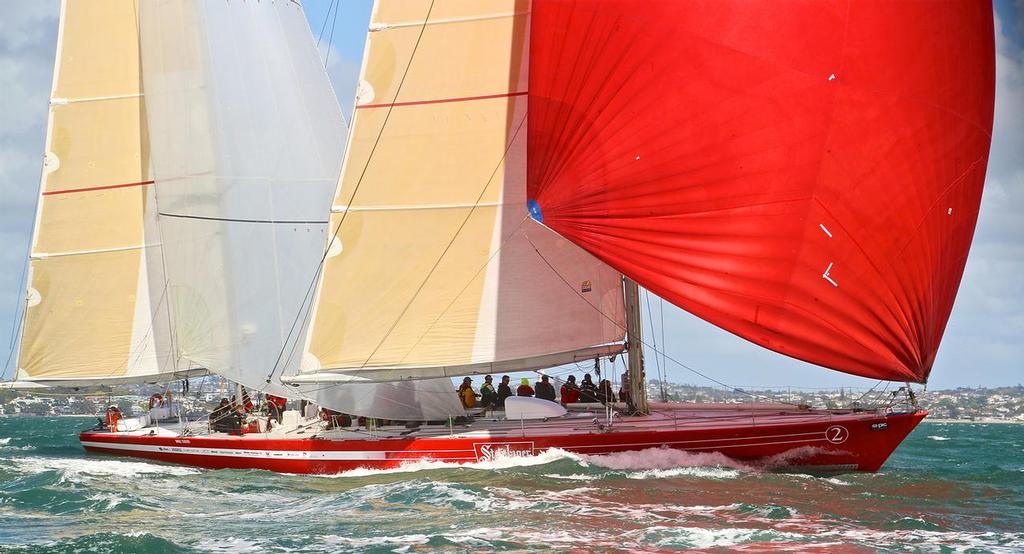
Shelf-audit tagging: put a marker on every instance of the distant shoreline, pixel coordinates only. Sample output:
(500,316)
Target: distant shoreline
(51,415)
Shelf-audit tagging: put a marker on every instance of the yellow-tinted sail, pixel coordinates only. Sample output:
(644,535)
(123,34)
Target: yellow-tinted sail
(96,309)
(433,266)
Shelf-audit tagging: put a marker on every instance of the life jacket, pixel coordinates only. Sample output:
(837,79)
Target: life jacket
(570,395)
(468,397)
(113,416)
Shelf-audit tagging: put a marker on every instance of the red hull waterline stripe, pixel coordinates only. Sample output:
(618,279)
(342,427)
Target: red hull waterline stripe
(106,187)
(442,100)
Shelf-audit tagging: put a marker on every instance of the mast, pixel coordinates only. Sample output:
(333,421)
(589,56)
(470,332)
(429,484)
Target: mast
(635,347)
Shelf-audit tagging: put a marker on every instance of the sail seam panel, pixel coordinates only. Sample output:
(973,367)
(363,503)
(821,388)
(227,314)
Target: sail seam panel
(62,101)
(340,209)
(45,255)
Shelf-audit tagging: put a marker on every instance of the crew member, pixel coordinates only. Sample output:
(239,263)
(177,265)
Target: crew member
(570,391)
(504,391)
(604,392)
(333,418)
(467,395)
(113,416)
(488,396)
(246,401)
(524,388)
(625,391)
(588,391)
(273,412)
(545,389)
(225,418)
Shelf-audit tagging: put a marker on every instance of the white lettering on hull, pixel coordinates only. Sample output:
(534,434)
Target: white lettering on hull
(489,451)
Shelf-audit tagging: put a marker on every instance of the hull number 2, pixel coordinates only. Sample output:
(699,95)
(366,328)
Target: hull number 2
(837,434)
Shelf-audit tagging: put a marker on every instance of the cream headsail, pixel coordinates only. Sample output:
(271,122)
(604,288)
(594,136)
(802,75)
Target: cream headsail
(97,309)
(433,267)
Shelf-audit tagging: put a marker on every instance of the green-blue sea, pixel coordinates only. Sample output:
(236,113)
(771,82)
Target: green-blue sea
(951,487)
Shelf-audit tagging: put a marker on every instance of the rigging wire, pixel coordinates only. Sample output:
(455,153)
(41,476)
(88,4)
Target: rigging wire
(306,311)
(869,391)
(657,363)
(617,324)
(18,301)
(664,345)
(19,316)
(324,26)
(330,41)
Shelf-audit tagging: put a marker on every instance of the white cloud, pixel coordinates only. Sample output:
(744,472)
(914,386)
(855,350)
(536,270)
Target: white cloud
(28,33)
(983,339)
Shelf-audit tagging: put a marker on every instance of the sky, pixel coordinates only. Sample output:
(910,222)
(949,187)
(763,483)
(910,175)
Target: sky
(984,341)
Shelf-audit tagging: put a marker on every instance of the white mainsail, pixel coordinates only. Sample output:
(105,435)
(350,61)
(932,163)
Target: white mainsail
(433,267)
(247,141)
(97,311)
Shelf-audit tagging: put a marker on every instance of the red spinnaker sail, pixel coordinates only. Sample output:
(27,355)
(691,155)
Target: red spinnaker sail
(804,174)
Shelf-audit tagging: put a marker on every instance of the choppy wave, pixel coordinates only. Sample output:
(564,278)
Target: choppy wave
(938,438)
(651,463)
(83,469)
(55,498)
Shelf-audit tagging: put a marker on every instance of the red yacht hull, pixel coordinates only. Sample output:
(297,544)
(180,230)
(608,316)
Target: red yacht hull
(850,442)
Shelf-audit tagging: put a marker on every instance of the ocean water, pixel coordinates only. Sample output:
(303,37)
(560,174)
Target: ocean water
(949,488)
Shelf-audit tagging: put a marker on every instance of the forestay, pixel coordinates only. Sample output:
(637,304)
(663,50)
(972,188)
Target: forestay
(433,266)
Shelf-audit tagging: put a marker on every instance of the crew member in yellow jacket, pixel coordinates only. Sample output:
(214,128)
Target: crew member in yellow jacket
(466,394)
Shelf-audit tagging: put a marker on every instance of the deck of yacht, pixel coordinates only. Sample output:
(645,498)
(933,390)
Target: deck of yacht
(581,419)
